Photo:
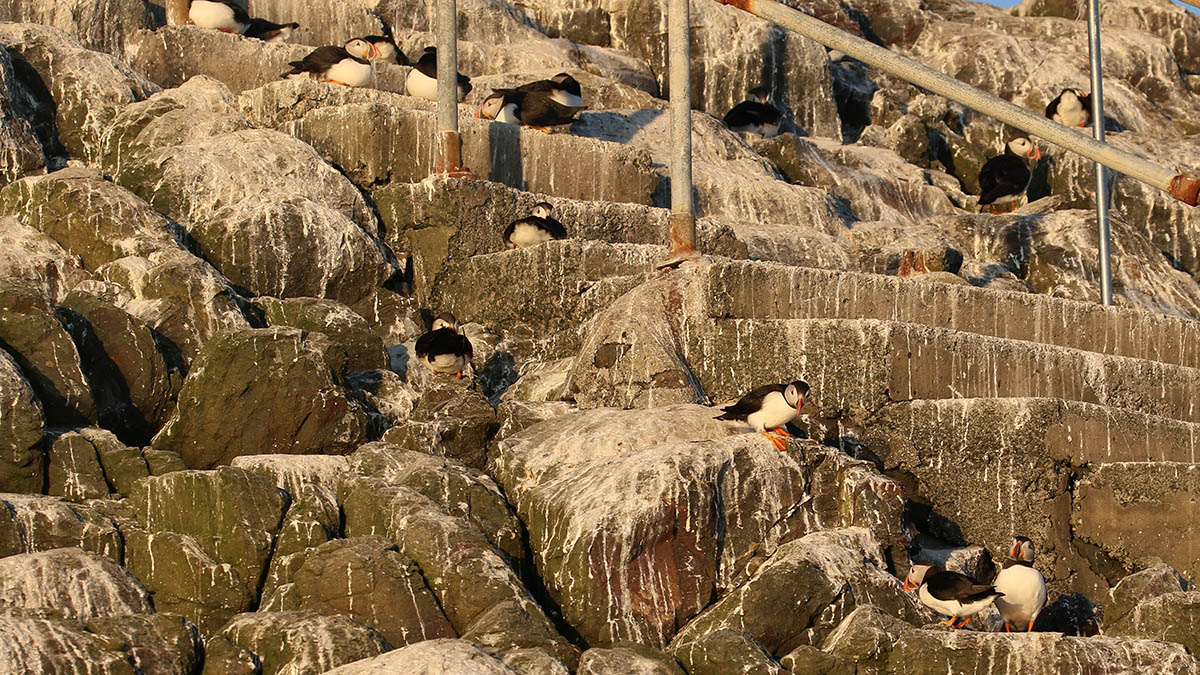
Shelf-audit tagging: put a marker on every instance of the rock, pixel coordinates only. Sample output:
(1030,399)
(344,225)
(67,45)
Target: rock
(312,520)
(391,315)
(533,662)
(293,473)
(47,356)
(22,150)
(31,256)
(102,25)
(303,642)
(33,523)
(448,420)
(54,645)
(222,657)
(87,87)
(171,55)
(21,456)
(74,583)
(325,24)
(1140,586)
(431,657)
(155,643)
(377,587)
(807,659)
(1170,617)
(391,401)
(635,661)
(726,651)
(865,638)
(801,594)
(271,390)
(74,469)
(348,330)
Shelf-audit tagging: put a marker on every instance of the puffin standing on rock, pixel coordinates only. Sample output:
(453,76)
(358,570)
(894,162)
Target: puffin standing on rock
(534,109)
(539,228)
(769,407)
(1004,178)
(226,16)
(338,65)
(444,348)
(562,88)
(950,593)
(1023,587)
(422,79)
(755,115)
(1073,107)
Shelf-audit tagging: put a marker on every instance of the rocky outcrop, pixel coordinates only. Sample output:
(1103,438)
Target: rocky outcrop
(34,523)
(102,25)
(21,457)
(432,657)
(301,642)
(22,150)
(29,255)
(348,330)
(72,583)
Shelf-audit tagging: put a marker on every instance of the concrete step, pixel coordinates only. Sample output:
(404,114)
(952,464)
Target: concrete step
(1099,488)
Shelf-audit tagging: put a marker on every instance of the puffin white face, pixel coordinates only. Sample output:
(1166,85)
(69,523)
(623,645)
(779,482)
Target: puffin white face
(795,394)
(543,210)
(1023,147)
(360,48)
(1022,549)
(491,107)
(760,94)
(916,576)
(445,320)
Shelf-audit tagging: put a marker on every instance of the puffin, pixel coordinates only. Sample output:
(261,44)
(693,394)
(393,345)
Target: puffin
(270,32)
(539,228)
(383,48)
(1004,178)
(1024,587)
(769,407)
(562,88)
(950,593)
(755,115)
(531,108)
(422,79)
(444,348)
(345,65)
(226,16)
(1073,107)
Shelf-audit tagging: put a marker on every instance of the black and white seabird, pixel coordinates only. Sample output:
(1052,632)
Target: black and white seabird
(755,115)
(950,593)
(532,108)
(1024,587)
(539,228)
(270,32)
(1004,178)
(562,88)
(444,348)
(226,16)
(338,65)
(769,407)
(422,79)
(1073,107)
(383,48)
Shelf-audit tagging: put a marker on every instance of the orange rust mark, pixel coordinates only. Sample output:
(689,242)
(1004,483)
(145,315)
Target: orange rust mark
(450,157)
(1186,188)
(743,5)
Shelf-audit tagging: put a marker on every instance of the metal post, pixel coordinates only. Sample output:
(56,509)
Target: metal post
(682,233)
(1193,3)
(1097,97)
(1184,187)
(449,159)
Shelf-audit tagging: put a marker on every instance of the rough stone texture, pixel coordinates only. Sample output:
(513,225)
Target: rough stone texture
(155,643)
(21,431)
(222,657)
(636,520)
(313,519)
(101,25)
(31,256)
(74,583)
(33,523)
(47,644)
(325,24)
(377,587)
(270,390)
(448,420)
(1147,584)
(20,149)
(432,657)
(74,470)
(171,55)
(348,330)
(635,661)
(292,643)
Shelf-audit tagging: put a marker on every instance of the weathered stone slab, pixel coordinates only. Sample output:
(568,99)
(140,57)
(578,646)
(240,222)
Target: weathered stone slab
(22,466)
(303,642)
(71,582)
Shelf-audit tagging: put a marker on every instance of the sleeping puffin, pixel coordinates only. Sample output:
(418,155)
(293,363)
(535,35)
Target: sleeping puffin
(755,115)
(1024,587)
(345,65)
(950,593)
(1004,178)
(562,88)
(422,79)
(444,348)
(1073,107)
(270,32)
(531,108)
(769,407)
(539,228)
(226,16)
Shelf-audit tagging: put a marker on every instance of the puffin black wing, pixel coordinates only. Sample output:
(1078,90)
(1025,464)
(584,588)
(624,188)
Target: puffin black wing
(750,403)
(266,31)
(427,64)
(1002,175)
(554,227)
(750,113)
(568,84)
(319,60)
(945,585)
(544,86)
(537,109)
(443,341)
(1052,107)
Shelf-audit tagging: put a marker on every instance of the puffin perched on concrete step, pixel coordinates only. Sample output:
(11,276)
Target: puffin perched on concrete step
(755,115)
(950,593)
(531,108)
(1073,107)
(1004,178)
(1023,587)
(338,65)
(562,88)
(226,16)
(270,32)
(422,79)
(539,228)
(444,348)
(383,48)
(769,407)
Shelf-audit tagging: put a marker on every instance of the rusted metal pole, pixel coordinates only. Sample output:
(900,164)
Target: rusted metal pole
(1097,96)
(1193,3)
(1184,187)
(682,232)
(449,157)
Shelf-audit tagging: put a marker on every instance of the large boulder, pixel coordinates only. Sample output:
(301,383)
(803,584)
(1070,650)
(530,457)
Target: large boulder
(21,456)
(303,642)
(102,25)
(154,643)
(269,390)
(431,657)
(348,330)
(71,582)
(171,55)
(448,420)
(34,523)
(30,255)
(22,151)
(36,644)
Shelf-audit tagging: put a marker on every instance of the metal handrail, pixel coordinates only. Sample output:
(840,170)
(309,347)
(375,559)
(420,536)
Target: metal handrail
(1184,187)
(682,232)
(1097,96)
(449,157)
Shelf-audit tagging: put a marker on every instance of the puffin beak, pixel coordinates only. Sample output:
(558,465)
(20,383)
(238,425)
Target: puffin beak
(907,586)
(374,51)
(799,405)
(1037,152)
(1016,551)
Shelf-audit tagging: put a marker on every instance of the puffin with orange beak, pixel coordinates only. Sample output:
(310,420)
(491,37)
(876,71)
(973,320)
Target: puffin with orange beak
(1073,107)
(769,407)
(1004,178)
(422,79)
(1023,586)
(344,65)
(384,49)
(950,593)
